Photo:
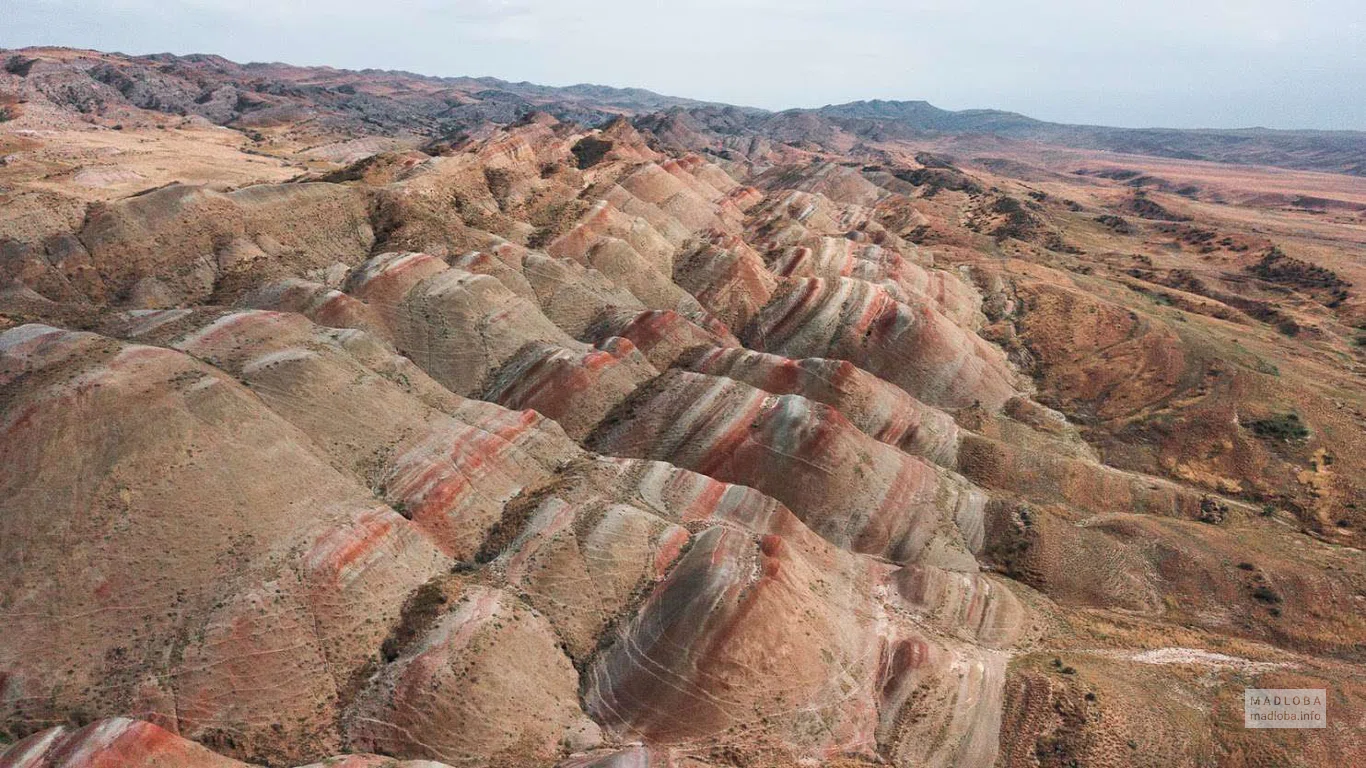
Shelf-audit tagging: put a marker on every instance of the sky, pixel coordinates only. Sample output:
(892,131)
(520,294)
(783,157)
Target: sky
(1137,63)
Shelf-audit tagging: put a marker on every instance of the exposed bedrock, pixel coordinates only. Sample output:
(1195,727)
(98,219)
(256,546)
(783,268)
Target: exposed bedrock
(574,388)
(569,294)
(124,743)
(650,232)
(114,743)
(451,696)
(907,282)
(450,464)
(859,493)
(573,547)
(880,409)
(727,276)
(583,563)
(456,325)
(914,347)
(663,337)
(1082,484)
(254,601)
(1022,467)
(790,648)
(285,529)
(194,240)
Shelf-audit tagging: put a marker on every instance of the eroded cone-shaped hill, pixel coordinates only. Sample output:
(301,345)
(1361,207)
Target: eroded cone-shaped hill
(565,447)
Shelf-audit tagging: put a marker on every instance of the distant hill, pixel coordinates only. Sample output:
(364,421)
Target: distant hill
(1332,151)
(117,87)
(258,95)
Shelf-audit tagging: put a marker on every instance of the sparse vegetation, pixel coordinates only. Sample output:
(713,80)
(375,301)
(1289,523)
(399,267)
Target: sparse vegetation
(590,150)
(931,160)
(1284,427)
(937,175)
(1018,224)
(1146,208)
(1212,510)
(419,612)
(1117,224)
(499,181)
(1325,284)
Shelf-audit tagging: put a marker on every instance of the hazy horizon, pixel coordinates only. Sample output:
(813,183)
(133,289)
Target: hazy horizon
(1198,64)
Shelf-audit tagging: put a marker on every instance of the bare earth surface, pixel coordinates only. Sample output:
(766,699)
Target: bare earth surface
(365,419)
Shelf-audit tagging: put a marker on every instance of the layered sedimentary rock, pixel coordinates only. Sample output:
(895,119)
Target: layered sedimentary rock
(254,599)
(491,659)
(663,337)
(850,488)
(575,389)
(324,477)
(124,743)
(1046,477)
(914,347)
(880,409)
(450,472)
(692,202)
(801,655)
(193,240)
(581,562)
(117,742)
(727,276)
(456,325)
(619,215)
(836,257)
(320,303)
(655,289)
(569,294)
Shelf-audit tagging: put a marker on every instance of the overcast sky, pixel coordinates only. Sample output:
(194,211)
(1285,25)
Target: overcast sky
(1141,63)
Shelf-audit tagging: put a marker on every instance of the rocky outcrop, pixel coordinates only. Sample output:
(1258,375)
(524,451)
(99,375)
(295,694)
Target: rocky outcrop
(859,493)
(787,650)
(576,390)
(727,276)
(914,347)
(906,281)
(255,600)
(881,410)
(108,743)
(663,337)
(456,325)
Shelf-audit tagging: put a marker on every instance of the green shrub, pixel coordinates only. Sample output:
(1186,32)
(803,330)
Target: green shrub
(1282,426)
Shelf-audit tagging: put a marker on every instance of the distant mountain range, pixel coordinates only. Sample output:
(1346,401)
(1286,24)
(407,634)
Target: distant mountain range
(1335,151)
(392,103)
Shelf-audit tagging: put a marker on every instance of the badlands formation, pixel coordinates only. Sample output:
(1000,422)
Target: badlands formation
(684,437)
